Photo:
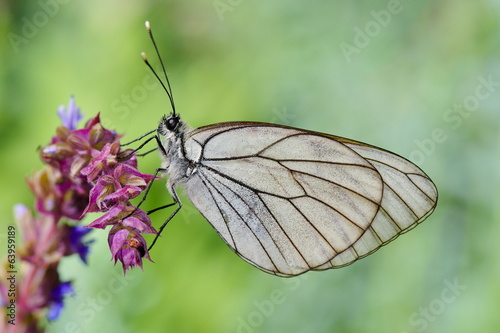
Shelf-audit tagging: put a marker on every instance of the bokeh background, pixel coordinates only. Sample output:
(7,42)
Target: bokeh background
(420,78)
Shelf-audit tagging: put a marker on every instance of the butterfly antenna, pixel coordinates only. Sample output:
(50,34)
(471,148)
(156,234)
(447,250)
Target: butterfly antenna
(143,55)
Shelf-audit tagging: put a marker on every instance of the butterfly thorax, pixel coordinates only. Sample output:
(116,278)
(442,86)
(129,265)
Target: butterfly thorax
(172,132)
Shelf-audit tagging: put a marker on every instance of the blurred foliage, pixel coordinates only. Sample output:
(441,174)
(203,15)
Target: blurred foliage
(391,73)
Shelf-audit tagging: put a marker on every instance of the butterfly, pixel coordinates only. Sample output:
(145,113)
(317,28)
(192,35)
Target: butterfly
(289,200)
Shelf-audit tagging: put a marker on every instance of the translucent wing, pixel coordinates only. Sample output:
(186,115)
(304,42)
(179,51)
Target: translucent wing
(289,201)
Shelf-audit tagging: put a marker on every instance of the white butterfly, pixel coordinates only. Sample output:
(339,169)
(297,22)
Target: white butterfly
(289,200)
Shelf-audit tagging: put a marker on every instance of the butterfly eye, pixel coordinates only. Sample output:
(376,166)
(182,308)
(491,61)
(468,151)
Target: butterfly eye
(168,124)
(172,123)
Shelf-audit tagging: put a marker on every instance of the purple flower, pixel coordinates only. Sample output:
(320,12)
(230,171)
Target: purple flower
(125,240)
(94,135)
(70,116)
(59,195)
(118,186)
(98,160)
(106,158)
(57,298)
(71,150)
(20,211)
(85,171)
(128,216)
(116,181)
(77,244)
(63,190)
(128,246)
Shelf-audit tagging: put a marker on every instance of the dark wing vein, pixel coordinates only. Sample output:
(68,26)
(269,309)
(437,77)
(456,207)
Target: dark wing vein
(204,181)
(330,181)
(234,209)
(286,234)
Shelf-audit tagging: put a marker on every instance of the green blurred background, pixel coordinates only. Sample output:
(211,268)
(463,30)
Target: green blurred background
(409,76)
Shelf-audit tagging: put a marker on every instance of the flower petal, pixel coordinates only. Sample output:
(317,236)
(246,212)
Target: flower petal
(113,216)
(141,225)
(117,240)
(56,303)
(70,116)
(77,244)
(122,195)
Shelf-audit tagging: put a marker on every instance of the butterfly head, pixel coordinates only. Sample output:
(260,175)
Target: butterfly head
(169,125)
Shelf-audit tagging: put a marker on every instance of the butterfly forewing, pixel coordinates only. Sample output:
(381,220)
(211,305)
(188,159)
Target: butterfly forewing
(289,201)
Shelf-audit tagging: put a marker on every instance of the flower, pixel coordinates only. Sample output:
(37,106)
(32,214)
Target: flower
(57,297)
(52,233)
(90,165)
(86,170)
(71,116)
(71,150)
(59,195)
(117,181)
(117,186)
(39,288)
(76,242)
(128,246)
(105,158)
(128,215)
(125,240)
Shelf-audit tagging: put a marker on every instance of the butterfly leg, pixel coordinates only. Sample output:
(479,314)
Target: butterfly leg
(160,208)
(146,153)
(176,201)
(138,148)
(139,138)
(158,170)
